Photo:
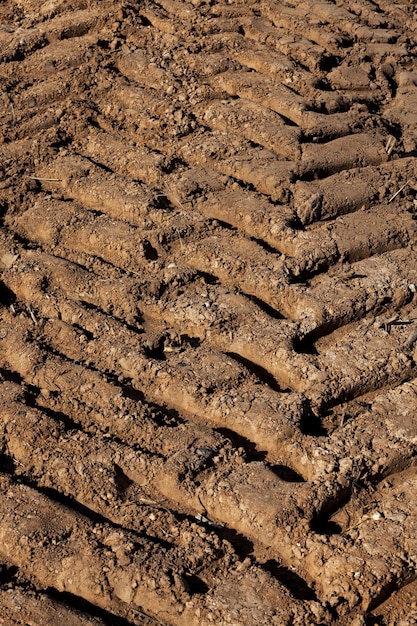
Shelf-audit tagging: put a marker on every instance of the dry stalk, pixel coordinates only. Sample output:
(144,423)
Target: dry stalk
(399,191)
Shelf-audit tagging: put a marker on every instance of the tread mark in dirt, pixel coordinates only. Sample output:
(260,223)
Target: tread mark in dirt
(208,320)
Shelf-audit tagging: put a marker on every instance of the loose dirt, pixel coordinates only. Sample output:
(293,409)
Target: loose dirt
(208,277)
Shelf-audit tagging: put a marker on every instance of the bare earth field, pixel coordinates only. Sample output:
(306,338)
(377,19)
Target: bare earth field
(208,312)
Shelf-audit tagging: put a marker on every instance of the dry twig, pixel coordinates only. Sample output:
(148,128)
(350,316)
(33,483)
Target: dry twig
(407,182)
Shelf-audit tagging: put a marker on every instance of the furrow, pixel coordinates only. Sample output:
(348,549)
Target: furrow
(343,20)
(230,155)
(399,606)
(270,93)
(20,606)
(57,562)
(350,238)
(304,50)
(356,290)
(121,572)
(161,118)
(240,262)
(238,403)
(95,189)
(66,386)
(28,272)
(367,444)
(366,357)
(225,320)
(121,156)
(22,42)
(61,56)
(74,458)
(291,18)
(57,223)
(253,122)
(256,216)
(287,103)
(174,478)
(382,565)
(346,192)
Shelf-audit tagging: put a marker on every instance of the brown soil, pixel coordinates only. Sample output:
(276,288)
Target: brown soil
(208,363)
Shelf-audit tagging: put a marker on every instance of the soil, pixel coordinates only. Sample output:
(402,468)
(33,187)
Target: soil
(208,338)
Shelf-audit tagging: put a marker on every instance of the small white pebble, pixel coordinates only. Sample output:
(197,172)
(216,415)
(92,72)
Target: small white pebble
(412,288)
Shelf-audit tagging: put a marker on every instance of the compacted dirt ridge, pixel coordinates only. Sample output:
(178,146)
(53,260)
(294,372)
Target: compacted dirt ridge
(208,312)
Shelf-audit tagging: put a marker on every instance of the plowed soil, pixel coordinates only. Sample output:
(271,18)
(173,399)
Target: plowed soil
(208,337)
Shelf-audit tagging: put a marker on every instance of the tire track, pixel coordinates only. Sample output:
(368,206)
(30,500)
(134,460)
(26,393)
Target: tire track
(207,324)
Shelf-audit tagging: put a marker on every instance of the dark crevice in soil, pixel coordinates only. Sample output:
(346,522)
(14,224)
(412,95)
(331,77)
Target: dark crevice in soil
(98,164)
(384,594)
(242,546)
(387,592)
(12,377)
(329,61)
(122,481)
(156,350)
(299,274)
(57,416)
(4,208)
(144,21)
(26,243)
(317,173)
(358,494)
(286,473)
(261,373)
(195,584)
(266,308)
(163,203)
(7,464)
(305,345)
(79,604)
(311,423)
(339,415)
(160,415)
(223,225)
(63,140)
(374,620)
(296,585)
(93,516)
(94,428)
(67,501)
(356,393)
(399,465)
(209,279)
(187,340)
(93,307)
(133,394)
(149,251)
(7,574)
(251,451)
(266,246)
(321,523)
(412,153)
